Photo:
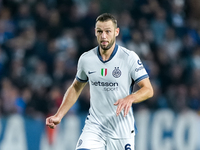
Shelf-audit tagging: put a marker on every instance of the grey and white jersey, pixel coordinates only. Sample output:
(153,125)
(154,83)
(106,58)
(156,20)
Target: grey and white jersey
(110,81)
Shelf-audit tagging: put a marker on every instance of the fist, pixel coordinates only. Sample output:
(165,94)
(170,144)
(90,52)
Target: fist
(52,121)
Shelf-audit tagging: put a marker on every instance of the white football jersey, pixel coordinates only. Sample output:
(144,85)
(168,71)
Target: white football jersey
(110,81)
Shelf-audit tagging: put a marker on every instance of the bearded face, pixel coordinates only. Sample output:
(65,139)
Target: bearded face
(106,34)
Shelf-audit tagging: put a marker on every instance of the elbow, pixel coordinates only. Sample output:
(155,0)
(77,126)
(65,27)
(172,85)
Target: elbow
(151,93)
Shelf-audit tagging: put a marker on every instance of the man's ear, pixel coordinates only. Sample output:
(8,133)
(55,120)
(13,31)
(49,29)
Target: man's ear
(116,31)
(95,31)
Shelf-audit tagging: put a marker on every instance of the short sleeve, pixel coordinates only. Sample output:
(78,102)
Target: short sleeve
(138,72)
(81,75)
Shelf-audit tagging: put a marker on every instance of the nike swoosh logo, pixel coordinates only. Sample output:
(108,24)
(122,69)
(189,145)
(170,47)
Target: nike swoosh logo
(90,72)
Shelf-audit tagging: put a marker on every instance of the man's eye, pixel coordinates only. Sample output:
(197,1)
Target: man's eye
(108,31)
(99,31)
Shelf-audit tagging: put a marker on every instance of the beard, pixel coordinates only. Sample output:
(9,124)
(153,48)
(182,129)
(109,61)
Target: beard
(108,46)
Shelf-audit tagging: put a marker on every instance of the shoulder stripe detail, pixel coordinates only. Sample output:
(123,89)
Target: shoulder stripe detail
(141,78)
(125,52)
(80,80)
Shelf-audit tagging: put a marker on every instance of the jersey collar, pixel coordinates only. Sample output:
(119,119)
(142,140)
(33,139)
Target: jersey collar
(111,56)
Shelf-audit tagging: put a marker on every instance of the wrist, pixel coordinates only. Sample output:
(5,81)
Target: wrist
(59,116)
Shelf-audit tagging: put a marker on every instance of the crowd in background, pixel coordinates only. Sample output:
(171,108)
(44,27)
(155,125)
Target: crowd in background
(41,41)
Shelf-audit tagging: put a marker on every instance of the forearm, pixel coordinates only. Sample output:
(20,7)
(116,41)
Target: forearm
(145,92)
(141,95)
(70,97)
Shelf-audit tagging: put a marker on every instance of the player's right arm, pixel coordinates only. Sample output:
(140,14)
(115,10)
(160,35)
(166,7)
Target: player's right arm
(70,97)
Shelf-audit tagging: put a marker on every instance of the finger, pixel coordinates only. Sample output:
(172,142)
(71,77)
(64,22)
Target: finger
(47,121)
(126,110)
(119,109)
(50,120)
(116,103)
(52,126)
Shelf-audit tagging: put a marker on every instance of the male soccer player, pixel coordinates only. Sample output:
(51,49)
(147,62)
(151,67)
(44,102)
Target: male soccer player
(111,71)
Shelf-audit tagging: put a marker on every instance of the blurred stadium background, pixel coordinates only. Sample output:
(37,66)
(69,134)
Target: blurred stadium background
(41,40)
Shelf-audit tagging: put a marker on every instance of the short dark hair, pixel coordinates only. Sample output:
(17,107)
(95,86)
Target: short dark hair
(107,17)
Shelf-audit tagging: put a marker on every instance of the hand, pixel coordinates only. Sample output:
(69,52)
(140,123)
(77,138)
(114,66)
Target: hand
(52,121)
(123,104)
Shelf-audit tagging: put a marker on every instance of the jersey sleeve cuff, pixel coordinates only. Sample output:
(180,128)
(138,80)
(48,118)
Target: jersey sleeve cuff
(141,78)
(80,80)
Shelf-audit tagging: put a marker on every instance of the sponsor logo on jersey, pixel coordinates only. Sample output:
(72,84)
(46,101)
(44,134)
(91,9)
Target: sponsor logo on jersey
(104,71)
(116,72)
(138,69)
(99,83)
(139,62)
(107,86)
(90,72)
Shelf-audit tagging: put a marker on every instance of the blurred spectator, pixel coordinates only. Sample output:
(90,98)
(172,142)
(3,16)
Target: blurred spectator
(18,73)
(12,101)
(48,55)
(171,44)
(41,44)
(138,45)
(195,76)
(188,46)
(177,73)
(59,74)
(7,28)
(164,65)
(126,23)
(41,15)
(66,40)
(72,16)
(3,62)
(24,17)
(87,23)
(40,78)
(177,18)
(179,104)
(71,62)
(192,29)
(54,24)
(196,58)
(38,105)
(193,6)
(158,100)
(159,25)
(23,44)
(54,99)
(194,97)
(6,18)
(143,24)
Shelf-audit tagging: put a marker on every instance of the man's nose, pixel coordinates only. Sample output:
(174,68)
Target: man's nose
(103,35)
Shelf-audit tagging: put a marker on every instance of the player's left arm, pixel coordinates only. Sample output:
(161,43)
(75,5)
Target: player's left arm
(145,92)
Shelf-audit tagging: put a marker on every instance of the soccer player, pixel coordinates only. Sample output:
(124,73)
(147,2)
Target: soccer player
(111,71)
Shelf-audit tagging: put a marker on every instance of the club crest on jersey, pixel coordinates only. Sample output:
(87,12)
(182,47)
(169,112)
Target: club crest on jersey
(104,71)
(116,72)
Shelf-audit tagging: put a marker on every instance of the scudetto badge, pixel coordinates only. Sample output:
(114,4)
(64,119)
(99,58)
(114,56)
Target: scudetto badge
(116,72)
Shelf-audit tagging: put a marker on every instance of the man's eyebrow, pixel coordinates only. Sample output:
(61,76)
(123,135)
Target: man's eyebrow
(102,29)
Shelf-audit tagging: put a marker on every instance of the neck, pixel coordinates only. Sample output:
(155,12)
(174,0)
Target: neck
(105,54)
